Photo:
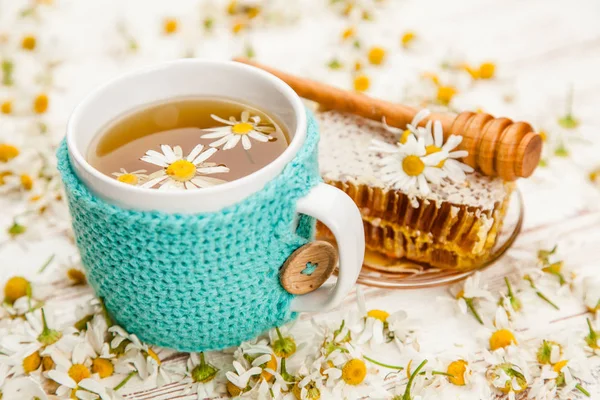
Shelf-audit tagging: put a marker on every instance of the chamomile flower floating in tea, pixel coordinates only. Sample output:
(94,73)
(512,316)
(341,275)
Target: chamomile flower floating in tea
(235,131)
(408,166)
(131,178)
(179,173)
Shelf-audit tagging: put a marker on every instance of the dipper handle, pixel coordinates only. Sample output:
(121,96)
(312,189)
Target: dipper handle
(496,146)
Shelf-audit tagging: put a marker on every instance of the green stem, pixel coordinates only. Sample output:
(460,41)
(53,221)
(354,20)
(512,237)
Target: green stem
(570,101)
(442,373)
(539,293)
(546,299)
(473,311)
(109,321)
(339,330)
(508,287)
(202,362)
(124,381)
(48,261)
(406,395)
(582,390)
(399,368)
(279,335)
(592,331)
(44,324)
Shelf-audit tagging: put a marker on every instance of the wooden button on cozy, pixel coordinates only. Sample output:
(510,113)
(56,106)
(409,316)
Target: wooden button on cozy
(307,268)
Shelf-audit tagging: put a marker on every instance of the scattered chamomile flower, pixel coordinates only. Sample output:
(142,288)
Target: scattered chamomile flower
(502,335)
(378,326)
(511,303)
(376,55)
(283,346)
(549,352)
(74,376)
(40,103)
(179,173)
(591,294)
(361,83)
(348,33)
(170,26)
(133,178)
(202,376)
(470,294)
(592,340)
(29,42)
(568,121)
(407,39)
(539,294)
(445,94)
(235,131)
(238,381)
(508,371)
(485,70)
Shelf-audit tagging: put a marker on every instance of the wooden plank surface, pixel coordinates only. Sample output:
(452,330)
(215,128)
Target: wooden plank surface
(541,47)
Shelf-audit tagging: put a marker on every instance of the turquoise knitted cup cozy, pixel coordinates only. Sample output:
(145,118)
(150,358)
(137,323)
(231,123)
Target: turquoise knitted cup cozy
(195,282)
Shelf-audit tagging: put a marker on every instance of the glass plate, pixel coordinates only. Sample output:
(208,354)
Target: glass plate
(412,274)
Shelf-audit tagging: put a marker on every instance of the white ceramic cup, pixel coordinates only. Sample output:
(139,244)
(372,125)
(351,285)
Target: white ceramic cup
(191,77)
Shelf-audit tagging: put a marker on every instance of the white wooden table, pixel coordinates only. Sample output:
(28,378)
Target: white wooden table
(541,47)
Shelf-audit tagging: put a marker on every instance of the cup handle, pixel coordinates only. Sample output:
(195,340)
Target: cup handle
(338,212)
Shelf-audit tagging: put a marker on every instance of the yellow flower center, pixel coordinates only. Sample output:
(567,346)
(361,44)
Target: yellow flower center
(361,83)
(77,276)
(457,369)
(348,33)
(47,363)
(238,27)
(544,353)
(354,372)
(15,288)
(271,364)
(154,356)
(487,70)
(40,104)
(129,179)
(233,390)
(407,38)
(28,42)
(376,55)
(26,182)
(433,77)
(543,136)
(3,175)
(445,94)
(79,372)
(103,367)
(170,26)
(242,128)
(32,362)
(559,366)
(553,268)
(473,72)
(181,170)
(379,314)
(6,107)
(8,152)
(460,294)
(502,338)
(431,149)
(413,166)
(404,136)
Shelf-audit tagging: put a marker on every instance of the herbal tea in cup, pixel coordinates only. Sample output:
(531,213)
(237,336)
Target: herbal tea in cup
(187,143)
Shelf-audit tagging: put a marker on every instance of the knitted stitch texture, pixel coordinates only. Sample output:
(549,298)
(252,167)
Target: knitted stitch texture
(195,282)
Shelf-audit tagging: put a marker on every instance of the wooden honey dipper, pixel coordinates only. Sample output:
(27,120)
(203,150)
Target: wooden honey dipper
(496,146)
